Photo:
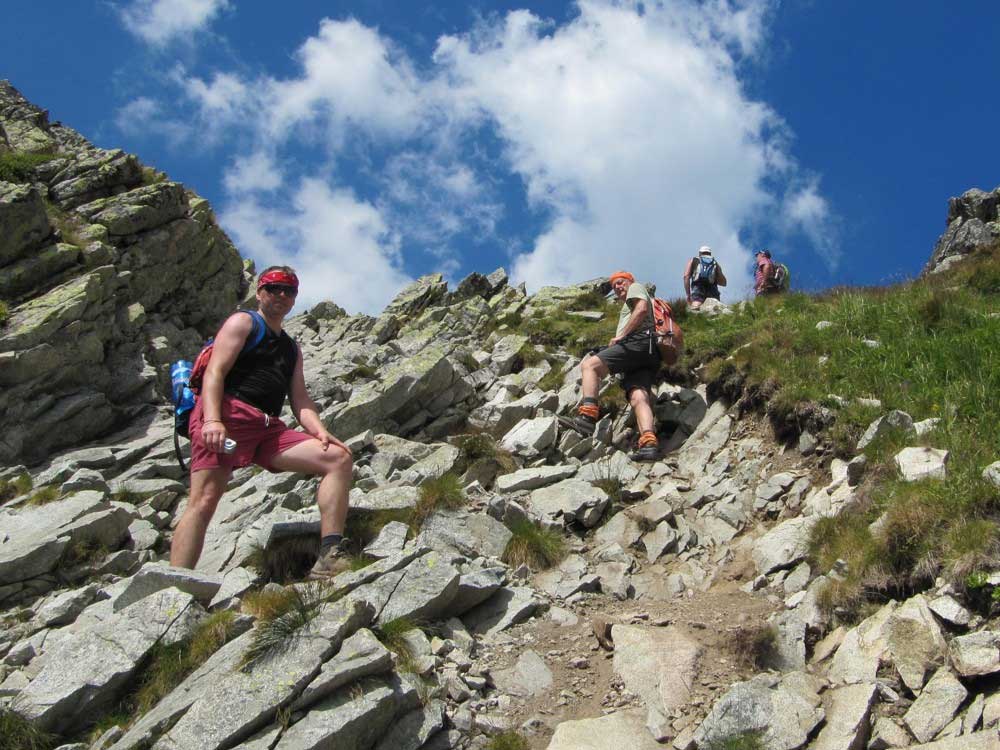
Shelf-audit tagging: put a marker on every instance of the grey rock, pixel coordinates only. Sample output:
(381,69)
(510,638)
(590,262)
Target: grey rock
(143,534)
(468,534)
(531,479)
(660,541)
(976,741)
(848,710)
(235,583)
(617,730)
(886,733)
(915,642)
(64,608)
(571,576)
(992,474)
(783,546)
(475,587)
(617,466)
(976,653)
(949,610)
(863,649)
(917,463)
(384,498)
(570,500)
(411,731)
(83,674)
(659,665)
(784,712)
(971,224)
(506,608)
(427,588)
(622,529)
(527,677)
(894,420)
(23,221)
(440,462)
(936,705)
(390,540)
(352,720)
(84,479)
(531,437)
(360,655)
(243,701)
(506,353)
(790,644)
(154,577)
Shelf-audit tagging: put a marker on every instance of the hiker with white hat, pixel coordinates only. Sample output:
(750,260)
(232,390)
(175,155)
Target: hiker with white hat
(702,278)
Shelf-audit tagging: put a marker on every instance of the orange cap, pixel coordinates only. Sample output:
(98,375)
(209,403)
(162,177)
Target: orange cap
(622,275)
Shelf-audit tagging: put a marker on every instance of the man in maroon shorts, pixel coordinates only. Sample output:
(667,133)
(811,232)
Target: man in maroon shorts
(242,395)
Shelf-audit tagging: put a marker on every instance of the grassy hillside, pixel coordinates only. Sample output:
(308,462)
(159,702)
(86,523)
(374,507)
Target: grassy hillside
(937,354)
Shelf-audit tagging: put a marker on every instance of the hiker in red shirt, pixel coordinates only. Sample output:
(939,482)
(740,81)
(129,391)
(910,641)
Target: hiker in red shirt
(763,277)
(242,394)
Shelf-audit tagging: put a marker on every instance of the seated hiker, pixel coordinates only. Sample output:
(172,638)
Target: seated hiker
(633,353)
(763,277)
(702,278)
(242,394)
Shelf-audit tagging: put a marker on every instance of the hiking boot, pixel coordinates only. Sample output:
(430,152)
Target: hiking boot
(647,453)
(583,424)
(331,563)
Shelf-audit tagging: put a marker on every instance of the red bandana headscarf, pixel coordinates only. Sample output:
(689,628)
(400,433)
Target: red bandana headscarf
(278,277)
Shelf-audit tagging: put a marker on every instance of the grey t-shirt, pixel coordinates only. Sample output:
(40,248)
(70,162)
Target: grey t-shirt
(636,291)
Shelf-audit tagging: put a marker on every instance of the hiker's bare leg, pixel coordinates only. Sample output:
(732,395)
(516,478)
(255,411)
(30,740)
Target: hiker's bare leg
(207,487)
(643,408)
(592,369)
(334,465)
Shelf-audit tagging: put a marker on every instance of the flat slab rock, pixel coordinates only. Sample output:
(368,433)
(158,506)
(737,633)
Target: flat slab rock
(623,729)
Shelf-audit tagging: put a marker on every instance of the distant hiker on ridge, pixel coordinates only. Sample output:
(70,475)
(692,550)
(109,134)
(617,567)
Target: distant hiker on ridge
(769,277)
(702,278)
(242,394)
(633,352)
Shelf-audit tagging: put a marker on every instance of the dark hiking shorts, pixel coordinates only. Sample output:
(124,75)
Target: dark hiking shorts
(701,292)
(634,361)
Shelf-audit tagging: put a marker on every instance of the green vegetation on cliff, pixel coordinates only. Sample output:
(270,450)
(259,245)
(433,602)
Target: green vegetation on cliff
(17,166)
(926,347)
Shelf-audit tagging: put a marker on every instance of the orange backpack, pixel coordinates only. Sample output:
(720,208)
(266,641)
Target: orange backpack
(669,337)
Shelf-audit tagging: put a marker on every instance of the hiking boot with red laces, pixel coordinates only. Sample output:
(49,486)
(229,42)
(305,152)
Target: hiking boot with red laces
(331,563)
(583,424)
(647,453)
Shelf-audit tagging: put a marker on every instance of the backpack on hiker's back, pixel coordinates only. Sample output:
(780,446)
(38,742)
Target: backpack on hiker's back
(669,337)
(782,278)
(705,270)
(186,378)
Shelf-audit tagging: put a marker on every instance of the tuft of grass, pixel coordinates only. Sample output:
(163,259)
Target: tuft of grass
(558,328)
(531,356)
(170,665)
(442,493)
(480,455)
(509,740)
(609,480)
(11,488)
(124,494)
(272,634)
(392,635)
(533,545)
(17,166)
(742,741)
(754,647)
(85,552)
(45,495)
(269,603)
(286,559)
(553,379)
(18,733)
(4,313)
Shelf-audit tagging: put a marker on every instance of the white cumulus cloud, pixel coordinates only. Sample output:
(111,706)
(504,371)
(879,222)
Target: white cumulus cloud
(158,22)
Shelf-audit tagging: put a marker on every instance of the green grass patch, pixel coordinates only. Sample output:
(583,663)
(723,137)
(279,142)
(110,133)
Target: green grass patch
(85,552)
(533,545)
(17,166)
(392,635)
(45,495)
(481,448)
(282,616)
(558,328)
(124,494)
(742,741)
(361,372)
(936,357)
(553,379)
(11,488)
(18,733)
(509,740)
(442,493)
(4,313)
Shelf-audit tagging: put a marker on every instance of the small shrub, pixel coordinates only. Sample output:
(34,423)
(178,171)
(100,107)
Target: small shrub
(533,545)
(45,495)
(530,356)
(509,740)
(444,492)
(151,176)
(754,647)
(269,603)
(19,166)
(18,733)
(480,448)
(11,488)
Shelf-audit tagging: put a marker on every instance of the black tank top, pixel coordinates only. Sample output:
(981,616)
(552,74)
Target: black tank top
(263,375)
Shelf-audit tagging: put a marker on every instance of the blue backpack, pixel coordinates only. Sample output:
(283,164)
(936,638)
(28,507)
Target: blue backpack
(705,272)
(185,379)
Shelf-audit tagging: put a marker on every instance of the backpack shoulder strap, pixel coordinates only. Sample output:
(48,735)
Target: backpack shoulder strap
(256,333)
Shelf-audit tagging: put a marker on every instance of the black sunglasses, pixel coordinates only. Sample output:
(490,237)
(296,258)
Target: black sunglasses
(288,291)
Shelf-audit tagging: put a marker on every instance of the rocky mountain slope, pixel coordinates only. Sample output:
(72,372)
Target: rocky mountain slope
(517,586)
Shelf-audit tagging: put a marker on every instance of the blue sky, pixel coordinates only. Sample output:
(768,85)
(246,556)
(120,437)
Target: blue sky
(367,143)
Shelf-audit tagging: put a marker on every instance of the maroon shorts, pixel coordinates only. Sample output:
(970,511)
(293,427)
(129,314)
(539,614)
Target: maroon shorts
(259,437)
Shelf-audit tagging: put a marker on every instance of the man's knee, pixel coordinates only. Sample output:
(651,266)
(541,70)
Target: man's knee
(639,397)
(336,460)
(204,501)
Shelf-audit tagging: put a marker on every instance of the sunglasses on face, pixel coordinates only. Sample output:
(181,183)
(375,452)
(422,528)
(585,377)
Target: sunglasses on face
(276,289)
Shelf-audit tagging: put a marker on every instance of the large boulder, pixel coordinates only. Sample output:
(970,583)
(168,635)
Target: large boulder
(23,221)
(973,222)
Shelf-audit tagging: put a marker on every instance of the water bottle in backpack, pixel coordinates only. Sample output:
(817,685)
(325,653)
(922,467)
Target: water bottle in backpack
(183,397)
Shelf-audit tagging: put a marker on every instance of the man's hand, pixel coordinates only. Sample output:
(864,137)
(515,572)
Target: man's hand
(213,433)
(327,439)
(614,341)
